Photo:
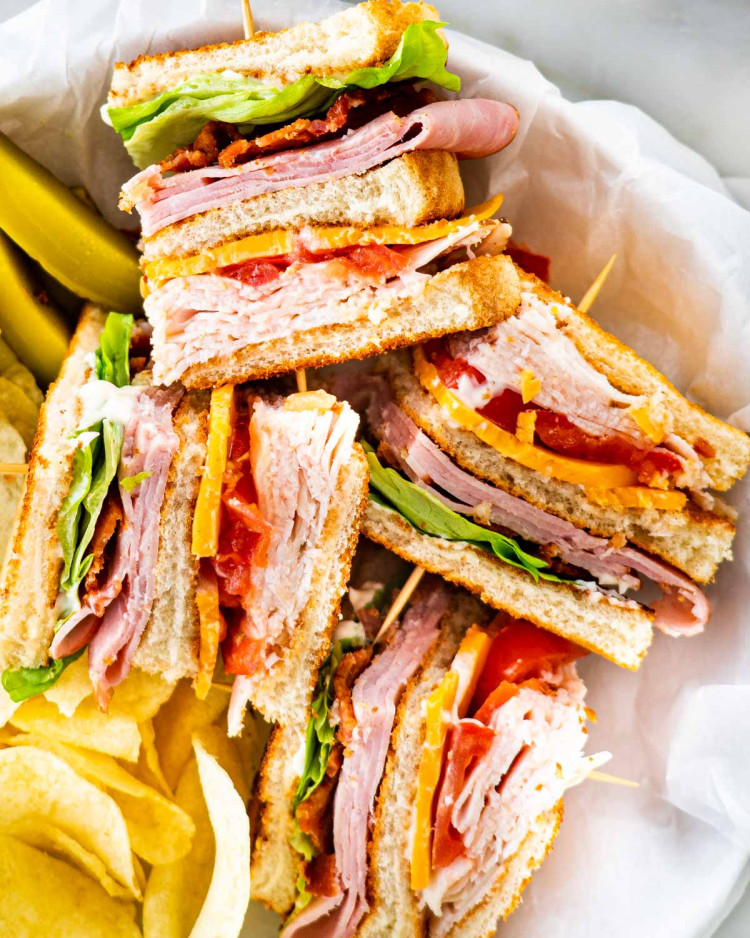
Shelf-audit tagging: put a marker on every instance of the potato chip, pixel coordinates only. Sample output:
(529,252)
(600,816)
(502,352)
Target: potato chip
(7,707)
(223,912)
(149,768)
(12,369)
(43,897)
(178,718)
(206,893)
(160,831)
(38,784)
(12,449)
(115,734)
(215,741)
(176,891)
(20,410)
(139,696)
(72,687)
(39,833)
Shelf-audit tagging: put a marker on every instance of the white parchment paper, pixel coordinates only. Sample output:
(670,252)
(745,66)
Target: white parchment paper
(582,181)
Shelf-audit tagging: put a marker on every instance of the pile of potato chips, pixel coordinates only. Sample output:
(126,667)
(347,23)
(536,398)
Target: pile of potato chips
(126,824)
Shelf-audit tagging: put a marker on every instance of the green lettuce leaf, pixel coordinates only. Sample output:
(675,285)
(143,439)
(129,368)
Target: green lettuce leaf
(131,482)
(113,354)
(153,129)
(72,508)
(22,683)
(424,512)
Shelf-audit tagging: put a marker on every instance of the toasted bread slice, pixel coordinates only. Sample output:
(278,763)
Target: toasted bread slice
(274,863)
(286,690)
(411,190)
(692,540)
(364,36)
(469,295)
(617,629)
(171,641)
(31,575)
(631,374)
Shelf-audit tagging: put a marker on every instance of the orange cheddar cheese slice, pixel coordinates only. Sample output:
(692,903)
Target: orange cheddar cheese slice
(208,505)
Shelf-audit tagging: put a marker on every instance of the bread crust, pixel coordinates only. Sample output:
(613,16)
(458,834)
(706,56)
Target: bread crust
(633,375)
(617,631)
(364,36)
(30,577)
(413,189)
(692,540)
(288,688)
(469,295)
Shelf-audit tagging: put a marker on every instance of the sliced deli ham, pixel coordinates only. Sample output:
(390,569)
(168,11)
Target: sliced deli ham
(470,128)
(374,697)
(113,617)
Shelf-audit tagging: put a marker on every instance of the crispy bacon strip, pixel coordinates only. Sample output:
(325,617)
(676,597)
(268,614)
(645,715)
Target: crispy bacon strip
(349,669)
(315,814)
(215,137)
(106,526)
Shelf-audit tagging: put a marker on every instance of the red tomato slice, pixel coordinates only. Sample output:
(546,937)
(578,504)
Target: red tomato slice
(450,369)
(468,742)
(537,264)
(521,651)
(241,654)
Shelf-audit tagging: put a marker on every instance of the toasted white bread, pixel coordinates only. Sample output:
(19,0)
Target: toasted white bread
(411,190)
(31,575)
(631,374)
(693,540)
(166,649)
(286,690)
(469,295)
(274,863)
(364,36)
(616,629)
(394,908)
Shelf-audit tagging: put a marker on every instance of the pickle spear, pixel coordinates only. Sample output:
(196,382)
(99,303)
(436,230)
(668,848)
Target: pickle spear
(35,331)
(70,240)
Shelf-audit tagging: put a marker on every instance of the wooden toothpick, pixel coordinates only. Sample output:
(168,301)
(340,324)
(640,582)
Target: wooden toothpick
(587,301)
(400,601)
(13,468)
(597,776)
(247,20)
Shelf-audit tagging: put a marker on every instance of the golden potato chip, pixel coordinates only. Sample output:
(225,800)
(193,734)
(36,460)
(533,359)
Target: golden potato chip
(72,687)
(139,696)
(215,741)
(12,449)
(206,893)
(43,897)
(114,733)
(149,768)
(160,831)
(178,718)
(20,411)
(175,892)
(38,784)
(7,707)
(12,369)
(40,833)
(223,912)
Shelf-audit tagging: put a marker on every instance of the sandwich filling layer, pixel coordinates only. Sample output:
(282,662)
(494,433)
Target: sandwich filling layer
(525,376)
(199,318)
(333,817)
(504,738)
(471,128)
(258,523)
